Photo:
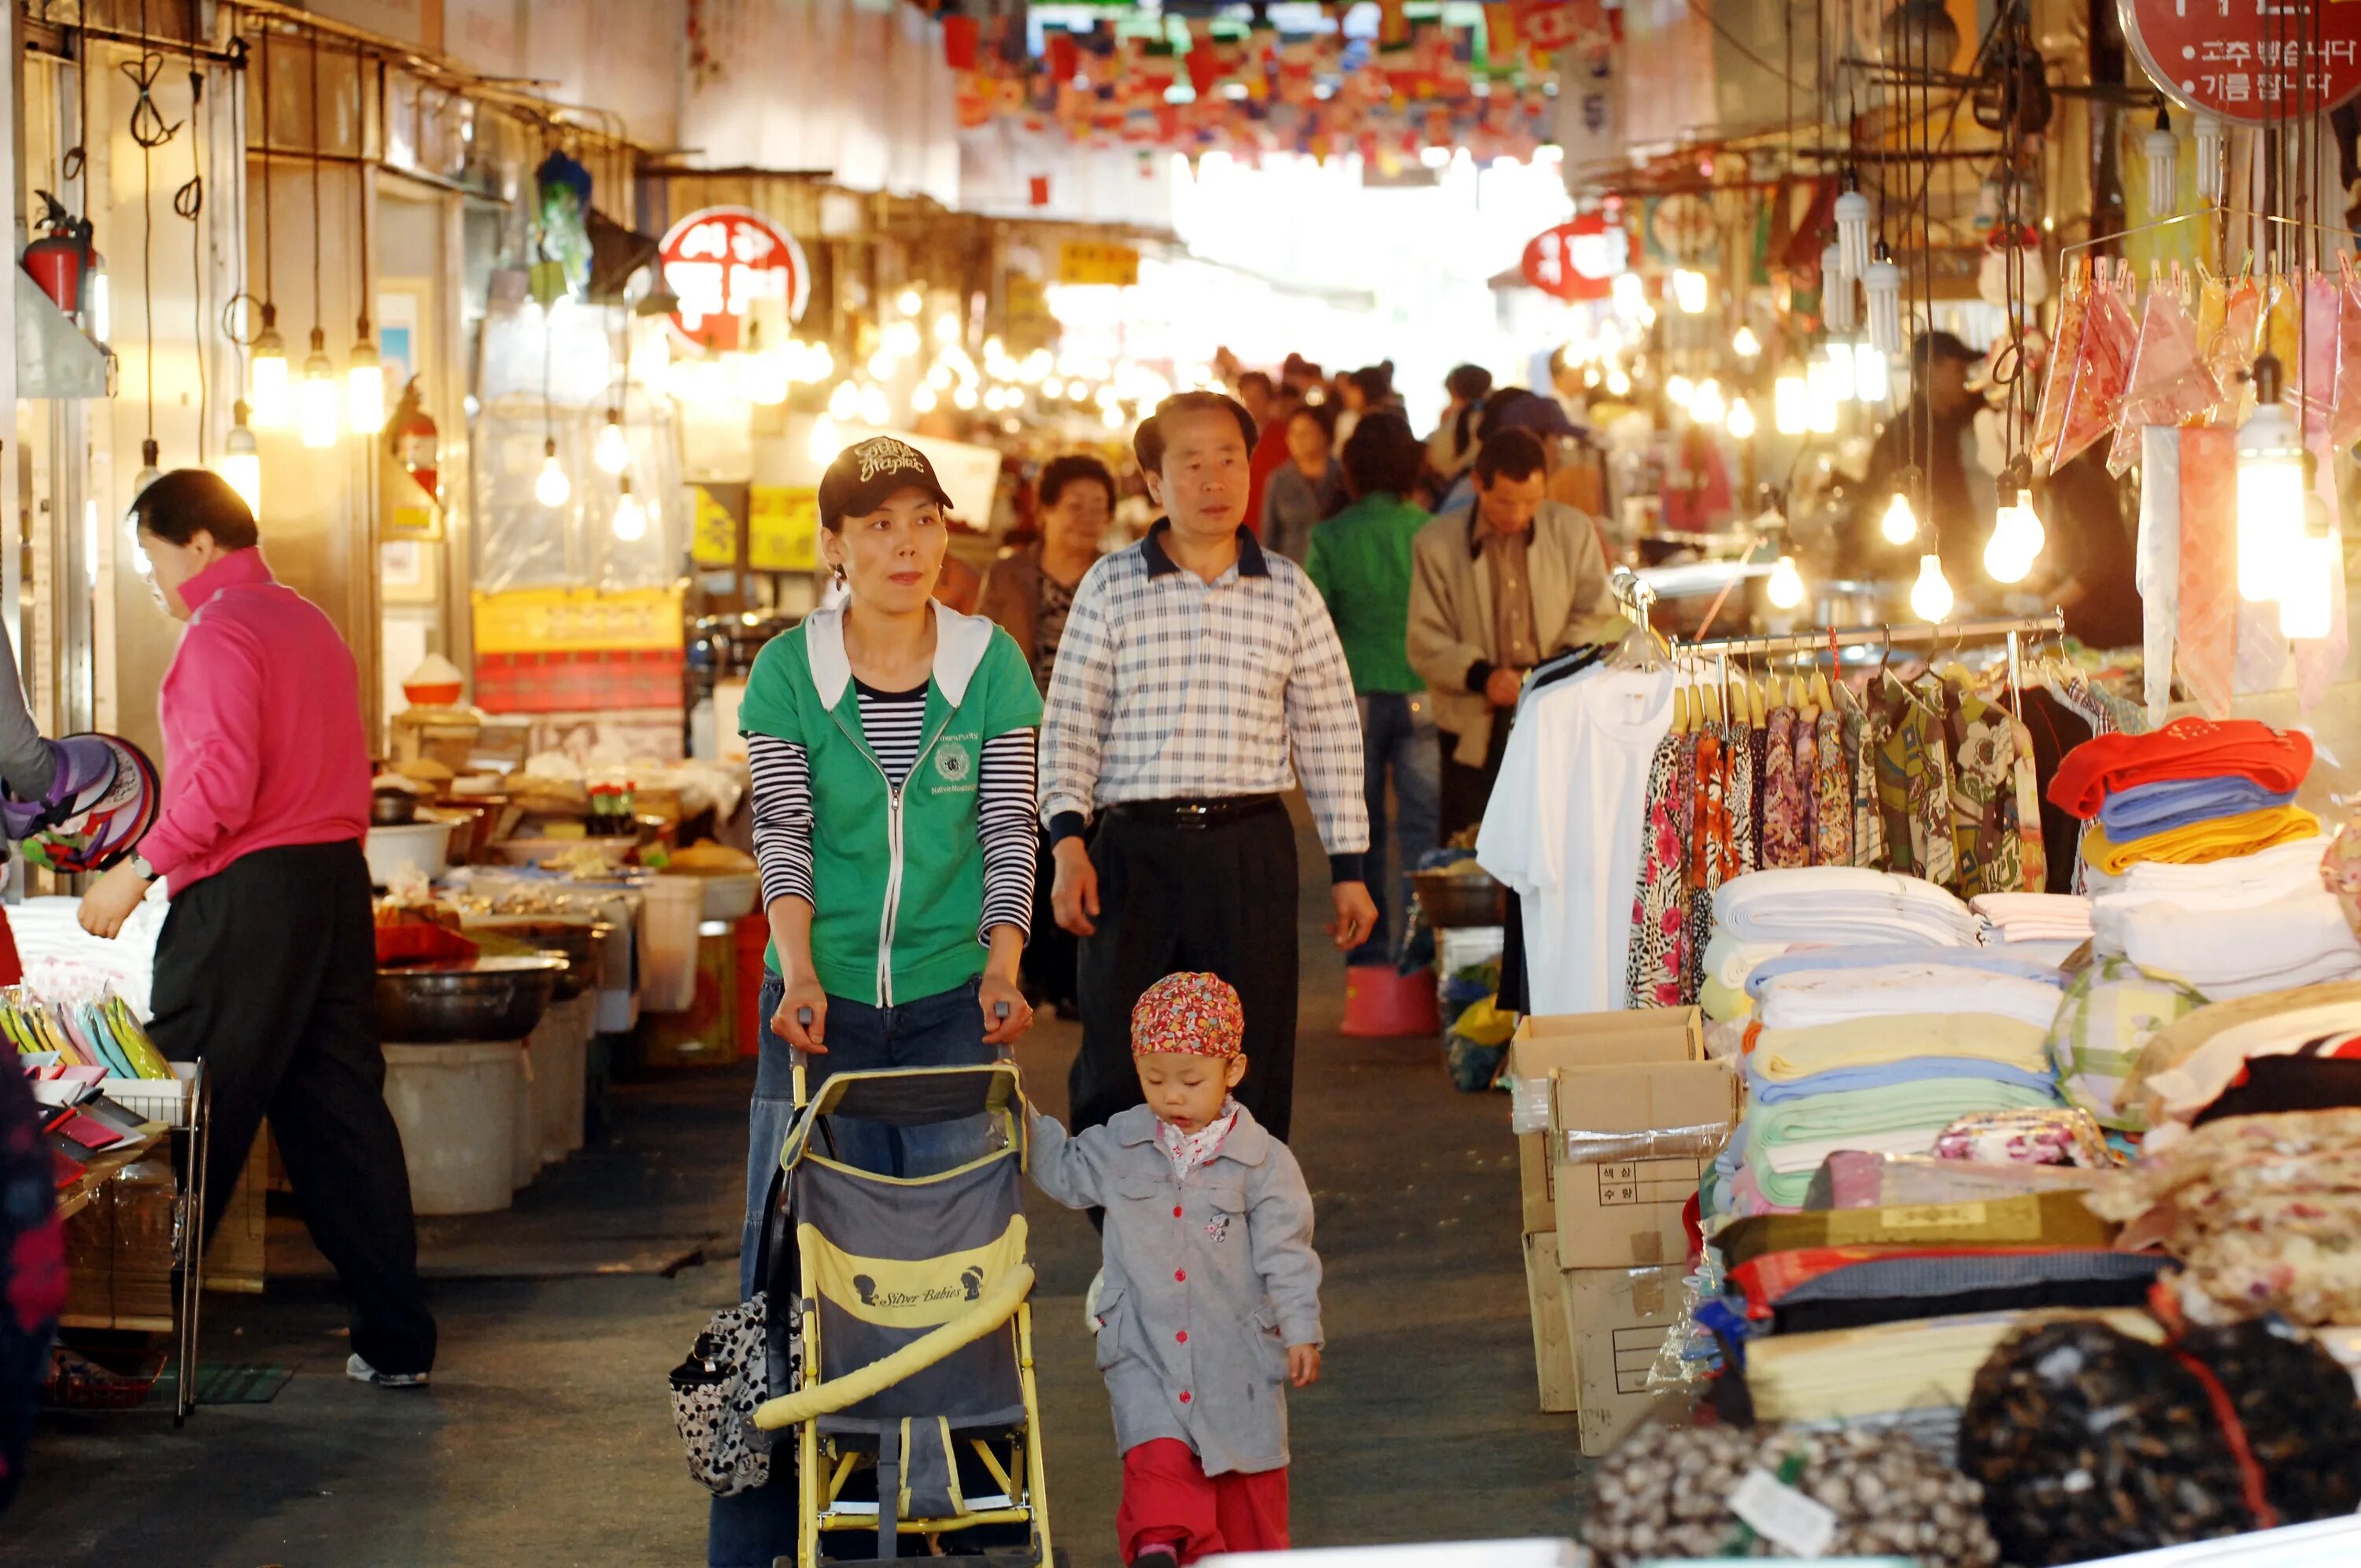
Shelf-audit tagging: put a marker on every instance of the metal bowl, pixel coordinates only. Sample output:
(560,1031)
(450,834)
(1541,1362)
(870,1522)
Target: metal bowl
(487,999)
(1453,899)
(580,942)
(392,808)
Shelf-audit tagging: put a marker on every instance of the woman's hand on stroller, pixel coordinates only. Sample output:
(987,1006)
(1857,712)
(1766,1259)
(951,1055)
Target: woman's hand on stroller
(802,1017)
(1303,1364)
(1006,1014)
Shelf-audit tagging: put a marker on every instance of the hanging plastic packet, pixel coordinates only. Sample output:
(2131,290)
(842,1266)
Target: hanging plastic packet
(2344,415)
(2073,301)
(2169,383)
(2319,341)
(2230,350)
(2101,367)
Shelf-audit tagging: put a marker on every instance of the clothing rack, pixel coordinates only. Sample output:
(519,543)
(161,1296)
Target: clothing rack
(2053,623)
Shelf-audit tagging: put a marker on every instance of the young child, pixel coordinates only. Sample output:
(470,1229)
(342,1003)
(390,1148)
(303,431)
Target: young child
(1210,1304)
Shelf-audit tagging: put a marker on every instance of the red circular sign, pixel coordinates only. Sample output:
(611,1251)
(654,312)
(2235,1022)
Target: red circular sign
(2248,61)
(728,266)
(1578,260)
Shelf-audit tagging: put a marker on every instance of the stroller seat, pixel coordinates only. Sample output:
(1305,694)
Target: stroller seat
(917,1385)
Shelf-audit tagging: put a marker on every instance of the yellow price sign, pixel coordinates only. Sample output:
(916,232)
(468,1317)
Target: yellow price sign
(577,620)
(783,529)
(1118,265)
(713,539)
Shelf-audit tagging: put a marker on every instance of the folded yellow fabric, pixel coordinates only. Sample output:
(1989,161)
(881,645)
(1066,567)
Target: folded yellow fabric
(1783,1054)
(2201,843)
(1722,1003)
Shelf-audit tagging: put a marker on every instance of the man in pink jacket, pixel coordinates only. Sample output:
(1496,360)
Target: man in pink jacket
(267,964)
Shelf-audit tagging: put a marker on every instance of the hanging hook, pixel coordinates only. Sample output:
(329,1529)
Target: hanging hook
(147,126)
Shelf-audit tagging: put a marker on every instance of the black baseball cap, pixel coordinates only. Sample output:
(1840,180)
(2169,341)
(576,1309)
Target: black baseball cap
(868,474)
(1929,346)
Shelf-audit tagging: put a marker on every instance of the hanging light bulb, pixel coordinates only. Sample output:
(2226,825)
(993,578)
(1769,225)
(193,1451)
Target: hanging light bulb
(1840,371)
(2212,137)
(148,473)
(843,401)
(1882,282)
(2315,573)
(1631,294)
(612,454)
(267,375)
(2271,489)
(1930,596)
(1706,405)
(1822,401)
(825,442)
(1872,381)
(1791,403)
(1744,343)
(241,460)
(922,399)
(2017,537)
(1741,421)
(365,384)
(1689,291)
(1619,385)
(551,487)
(1839,303)
(1679,391)
(629,522)
(1852,231)
(318,408)
(2163,149)
(875,410)
(1900,524)
(965,399)
(1786,588)
(947,329)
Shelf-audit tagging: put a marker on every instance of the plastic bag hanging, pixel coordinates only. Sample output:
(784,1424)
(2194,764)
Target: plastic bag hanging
(1839,305)
(2169,383)
(2319,343)
(2096,378)
(2230,347)
(2344,414)
(1882,282)
(2074,307)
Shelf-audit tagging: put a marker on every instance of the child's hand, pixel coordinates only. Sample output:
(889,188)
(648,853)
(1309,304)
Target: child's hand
(1303,1364)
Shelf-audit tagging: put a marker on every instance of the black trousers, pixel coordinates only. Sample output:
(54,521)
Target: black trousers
(1466,790)
(1049,954)
(1220,898)
(267,971)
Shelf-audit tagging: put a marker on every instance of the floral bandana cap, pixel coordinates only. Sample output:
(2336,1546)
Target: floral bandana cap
(1188,1014)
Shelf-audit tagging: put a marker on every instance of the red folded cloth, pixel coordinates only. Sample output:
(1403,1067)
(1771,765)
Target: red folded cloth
(2184,748)
(421,944)
(1765,1280)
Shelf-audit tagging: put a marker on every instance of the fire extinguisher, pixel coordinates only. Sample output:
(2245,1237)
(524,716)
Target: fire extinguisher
(60,259)
(412,436)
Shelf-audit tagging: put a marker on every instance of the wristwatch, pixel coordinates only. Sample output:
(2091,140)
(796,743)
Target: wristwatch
(142,869)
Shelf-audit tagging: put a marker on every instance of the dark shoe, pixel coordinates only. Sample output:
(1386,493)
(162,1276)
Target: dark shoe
(1156,1557)
(360,1371)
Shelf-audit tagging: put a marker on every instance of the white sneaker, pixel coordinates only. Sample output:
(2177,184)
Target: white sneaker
(1090,1303)
(360,1371)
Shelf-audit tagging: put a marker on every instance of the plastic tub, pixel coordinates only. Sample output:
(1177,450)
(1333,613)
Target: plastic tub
(425,845)
(524,1137)
(729,897)
(668,967)
(560,1051)
(456,1108)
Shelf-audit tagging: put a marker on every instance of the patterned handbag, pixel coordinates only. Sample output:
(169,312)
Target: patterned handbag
(730,1370)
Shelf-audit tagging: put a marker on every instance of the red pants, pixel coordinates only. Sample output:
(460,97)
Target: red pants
(1168,1500)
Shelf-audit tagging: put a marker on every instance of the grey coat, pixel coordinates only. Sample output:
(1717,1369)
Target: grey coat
(1207,1282)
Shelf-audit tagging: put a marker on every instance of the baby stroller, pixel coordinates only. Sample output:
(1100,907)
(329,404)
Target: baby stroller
(916,1384)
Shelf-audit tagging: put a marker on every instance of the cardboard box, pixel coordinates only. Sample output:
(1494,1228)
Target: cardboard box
(1546,1042)
(1552,1351)
(1655,1125)
(1617,1320)
(1536,1183)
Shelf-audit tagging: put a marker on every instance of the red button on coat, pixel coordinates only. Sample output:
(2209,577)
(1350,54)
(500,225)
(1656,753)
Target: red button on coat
(1182,1275)
(1184,1395)
(1182,1336)
(1176,1210)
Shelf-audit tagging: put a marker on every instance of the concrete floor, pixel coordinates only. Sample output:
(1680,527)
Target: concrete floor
(547,1439)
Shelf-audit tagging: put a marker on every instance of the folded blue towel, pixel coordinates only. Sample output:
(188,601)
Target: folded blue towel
(1985,959)
(2160,808)
(1764,1090)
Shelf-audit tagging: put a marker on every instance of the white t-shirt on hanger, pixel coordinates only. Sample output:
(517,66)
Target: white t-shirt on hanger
(1565,828)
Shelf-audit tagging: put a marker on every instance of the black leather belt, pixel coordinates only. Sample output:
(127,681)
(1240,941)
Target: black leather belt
(1196,813)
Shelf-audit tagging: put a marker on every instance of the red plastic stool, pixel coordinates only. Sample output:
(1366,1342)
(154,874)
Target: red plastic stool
(1380,1004)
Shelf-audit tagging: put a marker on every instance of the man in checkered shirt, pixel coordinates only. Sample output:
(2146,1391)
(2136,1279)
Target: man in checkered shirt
(1198,675)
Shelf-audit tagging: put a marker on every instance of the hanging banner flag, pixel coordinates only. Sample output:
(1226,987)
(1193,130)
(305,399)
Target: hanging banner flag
(2248,59)
(1590,120)
(1578,260)
(729,265)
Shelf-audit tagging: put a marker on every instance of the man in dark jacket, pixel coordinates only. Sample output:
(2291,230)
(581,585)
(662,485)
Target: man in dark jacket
(1956,498)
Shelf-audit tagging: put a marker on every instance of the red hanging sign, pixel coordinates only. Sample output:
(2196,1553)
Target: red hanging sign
(728,263)
(1578,260)
(2250,61)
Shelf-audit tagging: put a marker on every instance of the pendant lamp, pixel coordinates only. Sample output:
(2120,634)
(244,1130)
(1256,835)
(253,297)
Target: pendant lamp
(1852,231)
(1839,305)
(2211,134)
(2270,489)
(1883,283)
(1930,596)
(2163,150)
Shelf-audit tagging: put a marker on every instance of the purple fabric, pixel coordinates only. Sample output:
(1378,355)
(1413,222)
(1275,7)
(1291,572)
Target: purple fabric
(2160,808)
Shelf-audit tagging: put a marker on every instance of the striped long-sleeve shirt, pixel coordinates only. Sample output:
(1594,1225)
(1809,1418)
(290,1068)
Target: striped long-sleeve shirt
(894,723)
(1171,687)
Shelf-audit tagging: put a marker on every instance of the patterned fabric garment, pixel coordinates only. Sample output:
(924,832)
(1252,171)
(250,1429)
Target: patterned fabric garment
(1913,784)
(1808,778)
(1758,741)
(1708,850)
(1737,799)
(1786,838)
(1863,732)
(2032,857)
(1832,796)
(1187,1151)
(1984,830)
(1660,906)
(1930,811)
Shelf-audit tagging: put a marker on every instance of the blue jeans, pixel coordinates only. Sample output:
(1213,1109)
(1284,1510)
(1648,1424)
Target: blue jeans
(1398,740)
(944,1030)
